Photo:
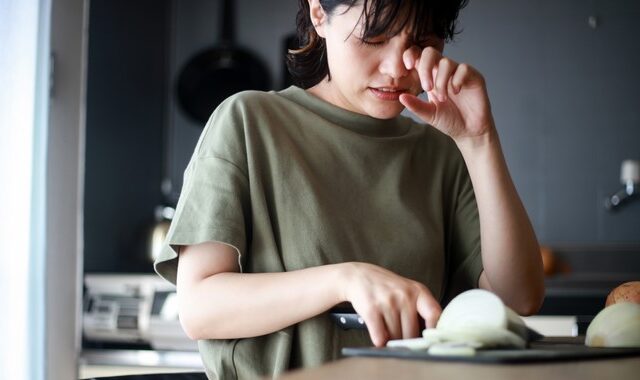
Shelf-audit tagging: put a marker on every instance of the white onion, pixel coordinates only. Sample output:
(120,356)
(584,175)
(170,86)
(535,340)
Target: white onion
(617,325)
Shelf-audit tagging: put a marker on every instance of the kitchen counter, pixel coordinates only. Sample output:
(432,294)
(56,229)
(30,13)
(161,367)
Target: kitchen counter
(103,362)
(622,366)
(397,369)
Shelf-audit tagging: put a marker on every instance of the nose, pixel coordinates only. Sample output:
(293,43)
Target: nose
(391,62)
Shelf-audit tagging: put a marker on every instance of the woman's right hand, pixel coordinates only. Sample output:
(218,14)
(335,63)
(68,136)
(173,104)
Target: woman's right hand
(388,303)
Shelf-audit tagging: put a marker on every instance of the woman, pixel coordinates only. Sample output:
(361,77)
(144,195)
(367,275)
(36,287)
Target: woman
(299,200)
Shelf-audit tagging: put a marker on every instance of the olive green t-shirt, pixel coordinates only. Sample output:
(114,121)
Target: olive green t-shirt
(294,182)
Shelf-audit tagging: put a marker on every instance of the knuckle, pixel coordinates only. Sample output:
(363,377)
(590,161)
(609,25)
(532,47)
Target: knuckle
(383,299)
(368,313)
(422,288)
(428,52)
(401,299)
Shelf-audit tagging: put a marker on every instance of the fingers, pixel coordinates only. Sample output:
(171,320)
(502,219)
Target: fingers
(377,327)
(464,74)
(400,319)
(390,304)
(424,110)
(426,66)
(439,75)
(393,323)
(410,57)
(428,308)
(435,72)
(410,325)
(445,69)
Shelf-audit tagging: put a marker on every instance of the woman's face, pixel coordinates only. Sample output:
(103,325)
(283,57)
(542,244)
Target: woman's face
(366,78)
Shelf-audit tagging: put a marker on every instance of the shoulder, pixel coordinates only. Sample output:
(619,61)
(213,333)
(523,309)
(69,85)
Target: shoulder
(240,115)
(251,97)
(233,112)
(225,128)
(251,102)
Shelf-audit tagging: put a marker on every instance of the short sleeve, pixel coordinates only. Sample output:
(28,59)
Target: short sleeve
(214,203)
(464,248)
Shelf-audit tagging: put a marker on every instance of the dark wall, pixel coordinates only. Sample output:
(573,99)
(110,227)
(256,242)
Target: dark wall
(126,107)
(564,94)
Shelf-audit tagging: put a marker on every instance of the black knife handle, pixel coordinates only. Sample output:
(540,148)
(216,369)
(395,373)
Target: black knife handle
(345,316)
(349,321)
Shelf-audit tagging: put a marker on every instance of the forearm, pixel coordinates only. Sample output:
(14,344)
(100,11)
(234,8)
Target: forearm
(510,251)
(239,305)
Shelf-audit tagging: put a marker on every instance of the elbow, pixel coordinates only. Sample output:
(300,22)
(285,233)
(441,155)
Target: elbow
(190,328)
(190,317)
(199,324)
(190,325)
(527,309)
(531,303)
(198,328)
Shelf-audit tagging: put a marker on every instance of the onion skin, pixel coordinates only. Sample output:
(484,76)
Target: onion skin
(627,292)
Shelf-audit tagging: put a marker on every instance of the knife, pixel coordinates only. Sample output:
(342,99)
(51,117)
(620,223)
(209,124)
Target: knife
(347,318)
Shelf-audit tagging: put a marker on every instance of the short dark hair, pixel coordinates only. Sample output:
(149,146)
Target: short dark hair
(308,64)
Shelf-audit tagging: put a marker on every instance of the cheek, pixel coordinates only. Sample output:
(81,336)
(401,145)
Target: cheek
(357,58)
(346,59)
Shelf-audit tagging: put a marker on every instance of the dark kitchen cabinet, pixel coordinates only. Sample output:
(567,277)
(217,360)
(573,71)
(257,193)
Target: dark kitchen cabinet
(127,91)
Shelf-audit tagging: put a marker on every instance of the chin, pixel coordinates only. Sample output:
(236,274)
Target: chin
(385,113)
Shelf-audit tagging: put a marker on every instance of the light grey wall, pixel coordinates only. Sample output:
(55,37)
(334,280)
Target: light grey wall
(65,165)
(564,96)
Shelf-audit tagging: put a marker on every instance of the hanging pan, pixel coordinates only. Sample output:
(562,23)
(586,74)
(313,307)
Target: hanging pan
(219,72)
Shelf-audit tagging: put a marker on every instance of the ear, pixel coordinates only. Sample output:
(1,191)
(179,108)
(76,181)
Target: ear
(318,16)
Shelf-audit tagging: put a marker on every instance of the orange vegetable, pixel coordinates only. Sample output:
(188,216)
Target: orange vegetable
(549,264)
(627,292)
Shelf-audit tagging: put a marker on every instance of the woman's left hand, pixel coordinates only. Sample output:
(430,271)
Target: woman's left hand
(459,105)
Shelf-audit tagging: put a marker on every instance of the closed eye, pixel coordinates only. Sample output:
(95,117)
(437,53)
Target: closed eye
(373,43)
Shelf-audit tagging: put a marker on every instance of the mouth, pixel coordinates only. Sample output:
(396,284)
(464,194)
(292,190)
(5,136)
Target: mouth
(388,93)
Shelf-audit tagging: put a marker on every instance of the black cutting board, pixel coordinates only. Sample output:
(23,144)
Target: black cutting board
(546,350)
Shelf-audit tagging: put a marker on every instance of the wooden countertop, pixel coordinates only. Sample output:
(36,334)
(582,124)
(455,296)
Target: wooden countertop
(398,369)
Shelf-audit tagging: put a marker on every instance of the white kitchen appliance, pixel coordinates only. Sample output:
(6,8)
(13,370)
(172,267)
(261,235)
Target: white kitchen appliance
(133,308)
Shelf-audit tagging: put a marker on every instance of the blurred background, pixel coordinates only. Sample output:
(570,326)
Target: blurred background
(562,77)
